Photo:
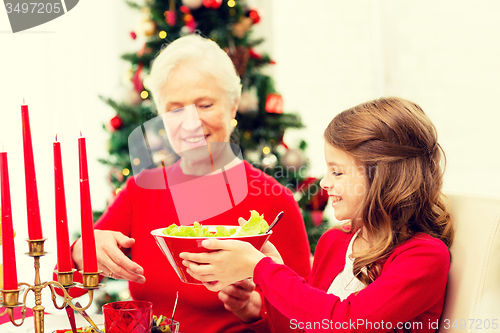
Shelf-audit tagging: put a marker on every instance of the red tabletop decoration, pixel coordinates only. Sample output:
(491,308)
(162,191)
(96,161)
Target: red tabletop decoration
(63,246)
(8,251)
(34,223)
(88,239)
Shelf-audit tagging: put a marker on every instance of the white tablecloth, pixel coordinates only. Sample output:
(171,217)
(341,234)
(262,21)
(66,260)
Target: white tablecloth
(52,323)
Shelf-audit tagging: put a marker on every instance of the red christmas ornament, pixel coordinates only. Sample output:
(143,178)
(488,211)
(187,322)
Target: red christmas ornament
(253,54)
(319,201)
(191,25)
(319,198)
(133,35)
(137,81)
(317,217)
(185,9)
(170,17)
(254,15)
(170,14)
(306,182)
(188,18)
(214,4)
(115,124)
(274,103)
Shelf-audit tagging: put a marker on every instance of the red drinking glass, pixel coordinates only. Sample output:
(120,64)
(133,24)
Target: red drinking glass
(128,317)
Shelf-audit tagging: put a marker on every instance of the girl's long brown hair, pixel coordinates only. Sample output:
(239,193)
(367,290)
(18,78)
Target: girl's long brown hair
(396,144)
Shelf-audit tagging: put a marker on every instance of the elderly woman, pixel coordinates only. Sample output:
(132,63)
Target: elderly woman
(196,91)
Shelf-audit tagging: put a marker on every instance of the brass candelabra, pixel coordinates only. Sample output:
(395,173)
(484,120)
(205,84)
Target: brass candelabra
(64,282)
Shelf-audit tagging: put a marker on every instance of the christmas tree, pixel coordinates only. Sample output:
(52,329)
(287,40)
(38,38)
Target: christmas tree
(260,122)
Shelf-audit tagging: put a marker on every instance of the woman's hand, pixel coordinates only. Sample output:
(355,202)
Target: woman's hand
(242,299)
(110,258)
(232,261)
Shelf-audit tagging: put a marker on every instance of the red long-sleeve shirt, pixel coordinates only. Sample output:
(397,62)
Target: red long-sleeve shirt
(410,289)
(137,210)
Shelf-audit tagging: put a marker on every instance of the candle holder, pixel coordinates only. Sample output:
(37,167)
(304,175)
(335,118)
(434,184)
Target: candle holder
(64,282)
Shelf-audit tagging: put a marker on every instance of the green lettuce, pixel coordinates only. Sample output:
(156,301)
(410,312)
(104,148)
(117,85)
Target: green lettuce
(256,225)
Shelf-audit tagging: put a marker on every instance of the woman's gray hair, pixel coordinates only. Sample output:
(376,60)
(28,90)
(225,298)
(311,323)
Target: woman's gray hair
(202,53)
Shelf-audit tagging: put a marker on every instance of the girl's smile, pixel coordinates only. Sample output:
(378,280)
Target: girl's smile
(345,181)
(335,199)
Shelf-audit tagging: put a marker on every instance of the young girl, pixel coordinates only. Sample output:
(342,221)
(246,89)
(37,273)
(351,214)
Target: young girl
(386,268)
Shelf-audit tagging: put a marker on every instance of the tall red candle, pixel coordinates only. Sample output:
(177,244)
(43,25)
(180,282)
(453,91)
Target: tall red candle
(88,239)
(34,223)
(63,247)
(8,251)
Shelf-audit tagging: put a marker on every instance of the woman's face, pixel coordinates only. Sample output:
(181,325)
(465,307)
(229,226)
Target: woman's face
(345,182)
(196,112)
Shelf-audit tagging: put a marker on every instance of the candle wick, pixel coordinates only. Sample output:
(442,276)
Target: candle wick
(81,135)
(24,103)
(56,137)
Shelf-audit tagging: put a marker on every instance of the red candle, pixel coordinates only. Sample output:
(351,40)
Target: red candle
(34,223)
(88,239)
(8,251)
(63,247)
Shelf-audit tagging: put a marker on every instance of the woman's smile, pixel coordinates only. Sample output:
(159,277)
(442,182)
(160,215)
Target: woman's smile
(196,140)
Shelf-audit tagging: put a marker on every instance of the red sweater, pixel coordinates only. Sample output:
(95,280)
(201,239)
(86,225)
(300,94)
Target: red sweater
(136,211)
(411,288)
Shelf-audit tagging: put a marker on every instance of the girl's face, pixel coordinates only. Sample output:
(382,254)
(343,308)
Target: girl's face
(346,183)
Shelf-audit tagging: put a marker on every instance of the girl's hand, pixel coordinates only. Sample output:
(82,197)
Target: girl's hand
(232,261)
(110,258)
(242,299)
(270,251)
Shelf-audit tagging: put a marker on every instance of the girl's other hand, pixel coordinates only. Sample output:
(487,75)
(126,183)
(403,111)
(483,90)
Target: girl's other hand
(232,261)
(242,299)
(110,258)
(269,250)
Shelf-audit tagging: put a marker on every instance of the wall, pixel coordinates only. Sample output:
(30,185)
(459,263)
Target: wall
(444,55)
